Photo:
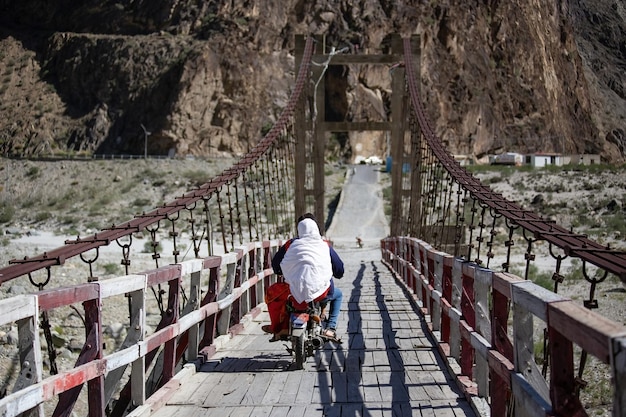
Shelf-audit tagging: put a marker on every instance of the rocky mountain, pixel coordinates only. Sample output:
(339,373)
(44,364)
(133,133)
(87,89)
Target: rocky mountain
(200,77)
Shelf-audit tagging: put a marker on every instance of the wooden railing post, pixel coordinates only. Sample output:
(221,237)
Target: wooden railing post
(618,363)
(482,296)
(193,340)
(137,330)
(224,321)
(169,350)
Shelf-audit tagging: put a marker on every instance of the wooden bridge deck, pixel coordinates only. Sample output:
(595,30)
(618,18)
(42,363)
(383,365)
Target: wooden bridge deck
(386,365)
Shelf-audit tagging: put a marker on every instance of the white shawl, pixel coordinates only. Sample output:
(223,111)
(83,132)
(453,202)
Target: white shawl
(306,265)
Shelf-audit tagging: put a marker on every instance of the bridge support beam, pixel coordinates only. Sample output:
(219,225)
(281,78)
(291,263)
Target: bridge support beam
(312,129)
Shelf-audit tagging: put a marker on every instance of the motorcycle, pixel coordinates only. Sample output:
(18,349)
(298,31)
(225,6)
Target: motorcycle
(306,330)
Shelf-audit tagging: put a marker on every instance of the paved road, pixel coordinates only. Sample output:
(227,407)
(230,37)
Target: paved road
(386,365)
(360,210)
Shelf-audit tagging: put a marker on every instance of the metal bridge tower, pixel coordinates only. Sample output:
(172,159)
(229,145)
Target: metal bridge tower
(312,128)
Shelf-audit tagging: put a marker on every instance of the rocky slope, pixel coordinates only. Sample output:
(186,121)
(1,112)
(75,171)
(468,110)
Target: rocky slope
(207,78)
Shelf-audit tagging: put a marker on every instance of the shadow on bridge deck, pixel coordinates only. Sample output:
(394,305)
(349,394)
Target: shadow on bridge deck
(386,365)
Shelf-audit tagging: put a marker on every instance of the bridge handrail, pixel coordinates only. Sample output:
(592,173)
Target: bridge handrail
(469,309)
(573,244)
(248,273)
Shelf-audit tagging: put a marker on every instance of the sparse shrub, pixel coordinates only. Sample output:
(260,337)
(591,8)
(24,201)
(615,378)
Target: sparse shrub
(266,128)
(111,269)
(92,225)
(150,174)
(7,211)
(140,202)
(196,177)
(148,247)
(543,279)
(42,216)
(104,200)
(33,172)
(68,220)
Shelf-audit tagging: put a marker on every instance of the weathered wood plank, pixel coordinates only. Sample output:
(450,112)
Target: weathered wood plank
(371,391)
(249,376)
(17,308)
(275,388)
(257,388)
(585,328)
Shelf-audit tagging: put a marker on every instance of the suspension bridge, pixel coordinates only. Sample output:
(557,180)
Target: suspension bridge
(434,321)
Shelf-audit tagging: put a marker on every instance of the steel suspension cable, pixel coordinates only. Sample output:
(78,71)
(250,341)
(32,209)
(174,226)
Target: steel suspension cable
(574,245)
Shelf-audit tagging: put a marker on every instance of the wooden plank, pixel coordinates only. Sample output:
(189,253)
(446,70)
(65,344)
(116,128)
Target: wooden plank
(30,359)
(340,386)
(121,285)
(257,388)
(305,389)
(59,297)
(354,389)
(457,290)
(534,298)
(297,411)
(526,398)
(163,274)
(587,329)
(19,402)
(219,392)
(189,391)
(275,388)
(482,291)
(618,363)
(279,411)
(241,411)
(525,364)
(290,389)
(193,303)
(262,411)
(371,391)
(190,266)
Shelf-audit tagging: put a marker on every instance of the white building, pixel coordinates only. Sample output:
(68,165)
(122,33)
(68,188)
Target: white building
(583,159)
(540,160)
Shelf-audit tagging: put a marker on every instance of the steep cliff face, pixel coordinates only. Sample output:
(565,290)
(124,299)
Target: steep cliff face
(204,77)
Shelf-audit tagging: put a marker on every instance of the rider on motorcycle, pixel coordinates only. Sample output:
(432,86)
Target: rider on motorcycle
(308,264)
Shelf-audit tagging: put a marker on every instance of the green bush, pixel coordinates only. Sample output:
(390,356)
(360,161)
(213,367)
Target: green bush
(140,202)
(7,211)
(148,247)
(42,216)
(33,172)
(111,269)
(196,177)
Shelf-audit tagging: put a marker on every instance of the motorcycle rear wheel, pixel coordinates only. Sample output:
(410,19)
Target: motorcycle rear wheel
(300,350)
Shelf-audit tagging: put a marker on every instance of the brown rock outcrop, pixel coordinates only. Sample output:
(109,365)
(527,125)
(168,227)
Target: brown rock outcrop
(208,77)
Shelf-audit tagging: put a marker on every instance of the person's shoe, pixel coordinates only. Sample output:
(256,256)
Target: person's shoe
(282,335)
(266,328)
(330,334)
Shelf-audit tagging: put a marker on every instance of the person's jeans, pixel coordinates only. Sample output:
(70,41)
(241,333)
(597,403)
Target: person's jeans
(334,307)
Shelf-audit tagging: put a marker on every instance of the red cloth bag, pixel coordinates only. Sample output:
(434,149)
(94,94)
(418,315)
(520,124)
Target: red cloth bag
(276,297)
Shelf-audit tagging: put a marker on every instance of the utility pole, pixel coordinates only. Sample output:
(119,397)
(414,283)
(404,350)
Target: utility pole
(145,141)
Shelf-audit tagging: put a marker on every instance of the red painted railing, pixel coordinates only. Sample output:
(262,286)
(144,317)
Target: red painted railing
(490,351)
(240,277)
